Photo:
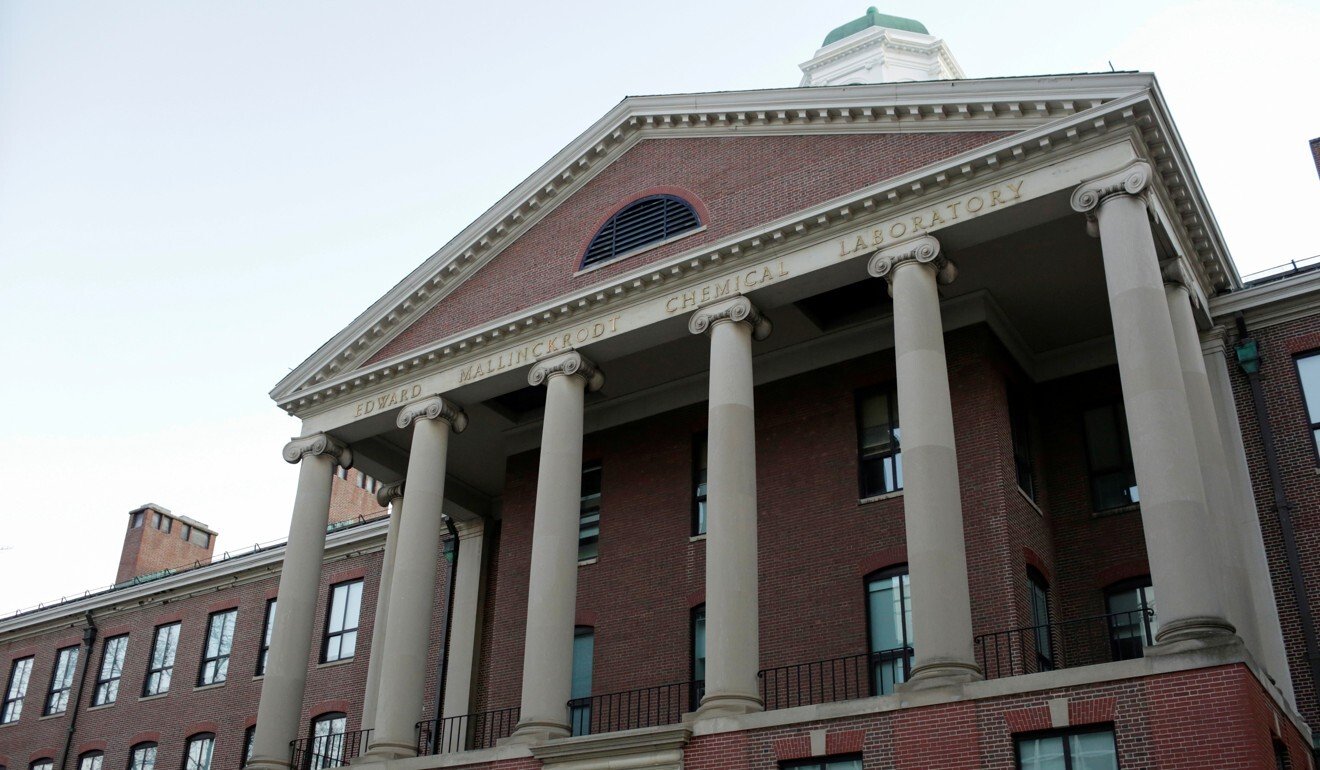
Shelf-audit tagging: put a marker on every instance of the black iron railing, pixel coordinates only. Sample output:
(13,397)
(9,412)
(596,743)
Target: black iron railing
(1066,644)
(334,750)
(466,732)
(663,704)
(835,679)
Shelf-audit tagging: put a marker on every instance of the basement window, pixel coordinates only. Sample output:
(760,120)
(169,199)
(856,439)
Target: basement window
(642,223)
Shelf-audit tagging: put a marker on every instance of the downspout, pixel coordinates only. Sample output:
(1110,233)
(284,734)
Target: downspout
(1248,357)
(444,644)
(89,639)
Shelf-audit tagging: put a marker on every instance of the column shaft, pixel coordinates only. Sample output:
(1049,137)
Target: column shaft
(932,502)
(552,590)
(732,611)
(1174,516)
(412,589)
(292,639)
(376,659)
(464,636)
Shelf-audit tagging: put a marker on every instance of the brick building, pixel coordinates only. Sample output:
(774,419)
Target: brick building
(917,425)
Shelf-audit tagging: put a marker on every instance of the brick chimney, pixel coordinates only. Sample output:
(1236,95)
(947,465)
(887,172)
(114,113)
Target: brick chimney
(157,540)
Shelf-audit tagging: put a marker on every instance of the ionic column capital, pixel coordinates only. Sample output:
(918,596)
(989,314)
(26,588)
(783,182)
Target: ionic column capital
(566,364)
(388,493)
(318,444)
(922,251)
(433,408)
(738,310)
(1133,179)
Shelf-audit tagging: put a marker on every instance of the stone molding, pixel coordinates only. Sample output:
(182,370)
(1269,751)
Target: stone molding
(1133,180)
(649,748)
(738,310)
(433,408)
(318,444)
(388,493)
(923,251)
(568,363)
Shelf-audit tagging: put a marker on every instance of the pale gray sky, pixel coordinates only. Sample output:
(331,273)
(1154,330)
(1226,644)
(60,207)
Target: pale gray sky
(194,196)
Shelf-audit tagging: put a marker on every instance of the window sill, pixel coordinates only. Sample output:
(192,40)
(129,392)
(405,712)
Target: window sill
(1129,508)
(258,677)
(697,538)
(642,250)
(10,724)
(878,498)
(1030,502)
(210,686)
(157,696)
(333,663)
(53,716)
(101,707)
(585,562)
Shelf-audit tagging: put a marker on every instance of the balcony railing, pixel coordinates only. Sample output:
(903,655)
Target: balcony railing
(1066,644)
(466,732)
(334,750)
(663,704)
(835,679)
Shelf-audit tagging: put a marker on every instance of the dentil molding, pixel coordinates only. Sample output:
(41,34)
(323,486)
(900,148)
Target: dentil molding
(318,444)
(739,309)
(433,408)
(568,363)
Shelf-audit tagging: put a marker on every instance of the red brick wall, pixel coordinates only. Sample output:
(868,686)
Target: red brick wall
(1279,345)
(740,181)
(350,502)
(148,549)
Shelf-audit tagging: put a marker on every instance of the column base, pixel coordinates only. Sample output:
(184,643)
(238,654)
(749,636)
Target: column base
(530,733)
(728,704)
(383,752)
(266,763)
(1189,634)
(940,673)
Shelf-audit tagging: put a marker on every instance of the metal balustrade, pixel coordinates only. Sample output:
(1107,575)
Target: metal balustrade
(663,704)
(835,679)
(466,732)
(1066,644)
(334,750)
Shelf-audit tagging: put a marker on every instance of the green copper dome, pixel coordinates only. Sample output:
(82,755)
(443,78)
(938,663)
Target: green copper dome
(874,18)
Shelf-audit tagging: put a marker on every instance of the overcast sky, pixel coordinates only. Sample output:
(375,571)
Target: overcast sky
(195,196)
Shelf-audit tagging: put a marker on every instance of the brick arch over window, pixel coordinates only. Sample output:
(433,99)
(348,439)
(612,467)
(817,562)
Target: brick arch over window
(886,559)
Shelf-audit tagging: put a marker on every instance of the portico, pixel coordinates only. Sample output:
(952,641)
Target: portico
(665,336)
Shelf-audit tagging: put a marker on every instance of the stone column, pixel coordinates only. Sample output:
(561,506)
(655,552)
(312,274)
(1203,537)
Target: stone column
(932,502)
(1246,521)
(412,589)
(1231,574)
(1174,516)
(292,639)
(464,636)
(389,494)
(552,591)
(732,612)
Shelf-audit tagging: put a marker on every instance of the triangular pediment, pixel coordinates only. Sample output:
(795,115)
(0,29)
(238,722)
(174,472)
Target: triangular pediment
(744,159)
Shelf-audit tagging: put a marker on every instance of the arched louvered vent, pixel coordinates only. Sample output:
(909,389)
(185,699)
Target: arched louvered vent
(641,223)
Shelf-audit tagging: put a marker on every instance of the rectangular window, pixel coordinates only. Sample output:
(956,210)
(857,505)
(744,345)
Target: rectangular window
(186,532)
(1113,481)
(249,736)
(219,643)
(699,485)
(266,628)
(698,656)
(161,667)
(341,624)
(1308,372)
(1020,427)
(889,628)
(201,537)
(61,681)
(589,514)
(112,668)
(1040,620)
(162,522)
(879,458)
(136,521)
(16,690)
(826,763)
(200,750)
(1132,619)
(579,708)
(1074,750)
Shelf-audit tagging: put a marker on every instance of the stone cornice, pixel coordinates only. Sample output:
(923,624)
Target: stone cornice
(1275,302)
(1065,129)
(568,363)
(315,445)
(433,408)
(735,310)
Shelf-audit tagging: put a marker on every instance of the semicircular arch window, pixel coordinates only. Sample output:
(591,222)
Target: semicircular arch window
(643,222)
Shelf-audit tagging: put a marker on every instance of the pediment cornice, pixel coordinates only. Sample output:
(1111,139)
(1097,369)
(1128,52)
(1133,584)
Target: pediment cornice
(1049,114)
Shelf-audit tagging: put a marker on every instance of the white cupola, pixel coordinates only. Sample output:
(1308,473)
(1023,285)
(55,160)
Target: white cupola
(879,48)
